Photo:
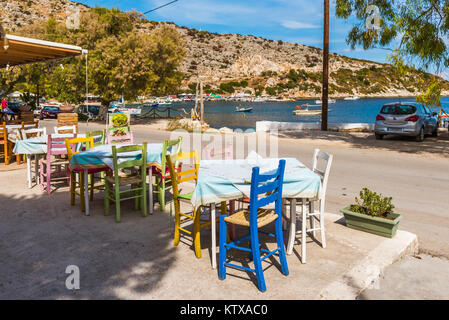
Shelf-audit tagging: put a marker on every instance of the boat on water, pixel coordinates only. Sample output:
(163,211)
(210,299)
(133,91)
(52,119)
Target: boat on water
(329,101)
(248,109)
(351,98)
(304,110)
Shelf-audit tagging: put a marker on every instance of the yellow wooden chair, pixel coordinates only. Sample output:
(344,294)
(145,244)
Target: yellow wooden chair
(71,145)
(178,178)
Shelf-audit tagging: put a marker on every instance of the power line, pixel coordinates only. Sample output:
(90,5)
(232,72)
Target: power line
(164,5)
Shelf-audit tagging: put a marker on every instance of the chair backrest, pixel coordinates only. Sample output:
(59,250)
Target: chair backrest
(99,137)
(183,176)
(32,133)
(56,145)
(266,189)
(77,145)
(226,153)
(142,162)
(324,175)
(3,132)
(175,146)
(68,120)
(66,129)
(126,139)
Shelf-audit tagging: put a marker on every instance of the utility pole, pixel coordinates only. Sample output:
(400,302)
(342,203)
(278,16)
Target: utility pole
(201,103)
(325,91)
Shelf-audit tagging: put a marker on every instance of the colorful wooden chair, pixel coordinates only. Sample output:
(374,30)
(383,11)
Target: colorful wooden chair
(33,124)
(177,178)
(265,189)
(163,180)
(81,144)
(28,134)
(309,212)
(66,130)
(55,147)
(137,181)
(5,143)
(99,137)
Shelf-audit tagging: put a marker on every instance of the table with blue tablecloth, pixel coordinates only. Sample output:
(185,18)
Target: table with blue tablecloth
(225,180)
(101,156)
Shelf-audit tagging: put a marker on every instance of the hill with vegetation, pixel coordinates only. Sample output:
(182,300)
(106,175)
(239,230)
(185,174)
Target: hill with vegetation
(233,63)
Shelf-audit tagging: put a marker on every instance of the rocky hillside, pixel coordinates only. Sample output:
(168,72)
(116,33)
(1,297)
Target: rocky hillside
(232,63)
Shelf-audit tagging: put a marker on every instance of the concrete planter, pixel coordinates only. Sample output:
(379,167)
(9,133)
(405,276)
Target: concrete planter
(376,225)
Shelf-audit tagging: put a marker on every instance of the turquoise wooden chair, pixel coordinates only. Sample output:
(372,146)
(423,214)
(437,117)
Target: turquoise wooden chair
(119,179)
(265,189)
(163,179)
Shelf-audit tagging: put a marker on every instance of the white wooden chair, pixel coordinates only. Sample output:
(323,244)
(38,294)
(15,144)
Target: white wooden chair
(66,130)
(27,134)
(308,208)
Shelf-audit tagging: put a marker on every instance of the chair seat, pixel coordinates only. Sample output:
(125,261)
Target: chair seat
(89,171)
(241,218)
(125,180)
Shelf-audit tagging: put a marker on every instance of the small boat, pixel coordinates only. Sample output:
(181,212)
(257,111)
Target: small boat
(352,98)
(305,112)
(249,109)
(328,101)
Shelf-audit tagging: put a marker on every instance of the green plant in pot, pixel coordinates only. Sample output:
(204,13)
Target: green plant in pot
(372,213)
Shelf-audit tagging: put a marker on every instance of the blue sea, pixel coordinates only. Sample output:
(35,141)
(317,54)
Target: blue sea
(221,113)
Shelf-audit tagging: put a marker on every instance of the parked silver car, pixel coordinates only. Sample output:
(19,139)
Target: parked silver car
(406,119)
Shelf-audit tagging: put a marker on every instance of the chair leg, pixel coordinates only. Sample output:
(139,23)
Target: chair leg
(92,184)
(292,236)
(280,243)
(41,173)
(222,252)
(72,188)
(161,189)
(143,199)
(323,236)
(83,185)
(117,203)
(303,231)
(106,197)
(312,218)
(256,258)
(196,232)
(18,159)
(177,222)
(48,174)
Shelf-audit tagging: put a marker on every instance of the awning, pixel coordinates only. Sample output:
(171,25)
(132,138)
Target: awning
(20,50)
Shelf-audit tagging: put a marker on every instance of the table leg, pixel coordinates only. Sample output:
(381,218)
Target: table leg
(214,240)
(292,236)
(86,191)
(29,170)
(150,190)
(304,231)
(232,226)
(36,169)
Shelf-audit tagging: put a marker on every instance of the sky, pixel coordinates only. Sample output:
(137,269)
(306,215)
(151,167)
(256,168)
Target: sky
(299,21)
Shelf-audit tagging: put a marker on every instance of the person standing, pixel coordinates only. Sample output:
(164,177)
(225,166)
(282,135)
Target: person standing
(4,104)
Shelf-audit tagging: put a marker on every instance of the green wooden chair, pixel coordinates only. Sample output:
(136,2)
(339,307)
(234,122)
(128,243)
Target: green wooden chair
(119,179)
(96,135)
(163,180)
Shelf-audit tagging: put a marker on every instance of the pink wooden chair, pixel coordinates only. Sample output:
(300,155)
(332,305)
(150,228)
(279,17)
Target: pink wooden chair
(128,139)
(55,146)
(226,153)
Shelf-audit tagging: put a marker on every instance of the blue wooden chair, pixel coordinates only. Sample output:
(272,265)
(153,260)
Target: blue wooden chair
(265,189)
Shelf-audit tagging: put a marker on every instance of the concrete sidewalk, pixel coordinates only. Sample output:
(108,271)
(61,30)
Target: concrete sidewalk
(136,259)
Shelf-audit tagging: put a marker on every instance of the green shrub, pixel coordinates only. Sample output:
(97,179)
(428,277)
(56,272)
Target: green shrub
(372,204)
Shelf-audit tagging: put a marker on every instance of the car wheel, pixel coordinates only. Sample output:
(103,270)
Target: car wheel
(435,132)
(420,136)
(379,136)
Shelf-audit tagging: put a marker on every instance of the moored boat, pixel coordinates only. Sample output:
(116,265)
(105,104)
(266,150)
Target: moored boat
(248,109)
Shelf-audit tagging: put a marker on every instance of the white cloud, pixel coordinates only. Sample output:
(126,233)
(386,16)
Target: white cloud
(298,25)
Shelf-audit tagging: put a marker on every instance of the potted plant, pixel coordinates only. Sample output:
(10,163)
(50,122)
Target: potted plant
(372,213)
